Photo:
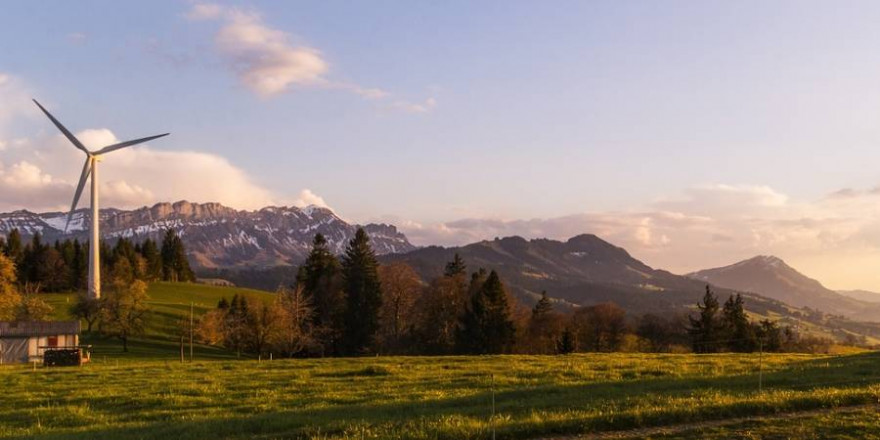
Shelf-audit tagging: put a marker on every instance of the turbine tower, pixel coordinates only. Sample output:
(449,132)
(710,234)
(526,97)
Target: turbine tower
(91,168)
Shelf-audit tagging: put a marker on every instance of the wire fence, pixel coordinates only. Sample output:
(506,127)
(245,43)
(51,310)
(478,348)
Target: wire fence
(755,374)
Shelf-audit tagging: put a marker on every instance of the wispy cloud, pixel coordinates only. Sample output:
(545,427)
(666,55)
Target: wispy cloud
(268,62)
(416,107)
(834,238)
(264,59)
(77,38)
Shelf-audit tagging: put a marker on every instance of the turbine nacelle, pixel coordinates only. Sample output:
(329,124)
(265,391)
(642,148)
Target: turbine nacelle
(91,156)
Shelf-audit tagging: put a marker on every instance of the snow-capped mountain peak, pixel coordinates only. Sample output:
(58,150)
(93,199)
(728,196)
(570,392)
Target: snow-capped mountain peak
(216,235)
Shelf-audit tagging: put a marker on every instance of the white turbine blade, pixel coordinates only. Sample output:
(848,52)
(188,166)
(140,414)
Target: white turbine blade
(87,169)
(120,145)
(64,130)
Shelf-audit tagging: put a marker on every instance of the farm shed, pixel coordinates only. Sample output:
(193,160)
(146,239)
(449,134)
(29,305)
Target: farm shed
(27,340)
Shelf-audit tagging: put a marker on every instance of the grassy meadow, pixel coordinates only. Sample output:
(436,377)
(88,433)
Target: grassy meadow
(859,424)
(420,397)
(148,394)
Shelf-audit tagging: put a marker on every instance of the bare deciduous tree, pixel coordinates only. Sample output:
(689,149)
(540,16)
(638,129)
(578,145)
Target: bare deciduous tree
(401,286)
(295,333)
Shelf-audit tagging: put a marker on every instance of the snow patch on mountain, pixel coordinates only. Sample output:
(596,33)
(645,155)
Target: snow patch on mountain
(215,235)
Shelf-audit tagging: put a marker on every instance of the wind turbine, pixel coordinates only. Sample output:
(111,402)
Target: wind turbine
(91,167)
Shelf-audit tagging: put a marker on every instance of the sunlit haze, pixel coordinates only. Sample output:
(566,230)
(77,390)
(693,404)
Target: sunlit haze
(693,134)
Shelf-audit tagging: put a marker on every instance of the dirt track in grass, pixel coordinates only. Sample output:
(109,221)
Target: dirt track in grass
(691,429)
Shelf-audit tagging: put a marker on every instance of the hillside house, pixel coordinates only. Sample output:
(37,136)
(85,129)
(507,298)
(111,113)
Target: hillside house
(27,341)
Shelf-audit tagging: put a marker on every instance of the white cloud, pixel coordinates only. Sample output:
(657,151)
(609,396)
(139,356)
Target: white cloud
(24,184)
(205,11)
(269,63)
(306,197)
(264,59)
(720,199)
(42,175)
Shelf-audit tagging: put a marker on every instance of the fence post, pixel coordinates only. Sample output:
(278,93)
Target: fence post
(760,365)
(492,420)
(191,323)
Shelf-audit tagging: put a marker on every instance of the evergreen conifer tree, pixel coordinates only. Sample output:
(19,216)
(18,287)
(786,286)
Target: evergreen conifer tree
(487,326)
(706,330)
(739,330)
(320,279)
(566,343)
(153,260)
(14,248)
(363,295)
(543,308)
(455,267)
(175,265)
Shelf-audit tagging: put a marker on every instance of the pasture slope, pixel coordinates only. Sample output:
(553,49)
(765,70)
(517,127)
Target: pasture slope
(169,307)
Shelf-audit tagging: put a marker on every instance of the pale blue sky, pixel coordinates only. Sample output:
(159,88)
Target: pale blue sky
(542,109)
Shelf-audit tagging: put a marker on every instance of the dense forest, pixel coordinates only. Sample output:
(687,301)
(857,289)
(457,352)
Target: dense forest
(63,266)
(354,306)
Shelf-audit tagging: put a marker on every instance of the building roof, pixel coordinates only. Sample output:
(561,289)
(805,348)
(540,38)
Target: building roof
(38,328)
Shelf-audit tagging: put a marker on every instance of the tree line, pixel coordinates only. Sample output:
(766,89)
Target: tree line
(63,265)
(121,312)
(127,268)
(351,305)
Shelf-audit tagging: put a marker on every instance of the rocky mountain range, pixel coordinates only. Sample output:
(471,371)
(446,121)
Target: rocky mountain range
(861,295)
(216,236)
(582,270)
(585,270)
(771,277)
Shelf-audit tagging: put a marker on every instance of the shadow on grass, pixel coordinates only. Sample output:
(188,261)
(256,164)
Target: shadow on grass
(109,349)
(434,418)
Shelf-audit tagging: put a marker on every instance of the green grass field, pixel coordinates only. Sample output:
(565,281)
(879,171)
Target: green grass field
(420,397)
(861,424)
(149,394)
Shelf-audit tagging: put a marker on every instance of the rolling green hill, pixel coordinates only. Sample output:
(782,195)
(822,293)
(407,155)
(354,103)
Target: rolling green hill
(169,304)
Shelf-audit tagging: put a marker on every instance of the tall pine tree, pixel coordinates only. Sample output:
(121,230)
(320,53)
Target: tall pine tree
(487,326)
(544,327)
(14,248)
(707,329)
(363,295)
(455,267)
(739,330)
(153,260)
(320,279)
(175,266)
